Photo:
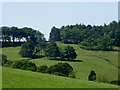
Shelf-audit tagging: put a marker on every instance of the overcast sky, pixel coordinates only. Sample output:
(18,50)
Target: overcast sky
(43,16)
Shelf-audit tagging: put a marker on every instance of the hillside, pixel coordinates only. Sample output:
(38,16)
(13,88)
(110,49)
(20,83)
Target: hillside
(0,77)
(15,78)
(104,63)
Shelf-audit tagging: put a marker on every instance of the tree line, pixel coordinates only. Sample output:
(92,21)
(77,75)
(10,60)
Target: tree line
(89,37)
(50,50)
(35,44)
(14,35)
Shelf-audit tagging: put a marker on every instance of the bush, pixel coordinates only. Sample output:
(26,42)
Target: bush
(3,59)
(42,69)
(25,65)
(117,82)
(61,69)
(92,76)
(72,75)
(59,74)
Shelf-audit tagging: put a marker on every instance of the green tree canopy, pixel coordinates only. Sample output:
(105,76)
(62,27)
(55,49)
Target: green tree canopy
(52,50)
(105,43)
(27,49)
(54,34)
(69,53)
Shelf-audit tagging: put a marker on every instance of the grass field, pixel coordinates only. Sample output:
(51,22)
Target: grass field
(15,78)
(12,53)
(102,62)
(0,77)
(105,63)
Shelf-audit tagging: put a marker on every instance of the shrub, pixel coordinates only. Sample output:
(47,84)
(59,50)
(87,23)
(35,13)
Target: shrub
(117,82)
(72,75)
(92,76)
(3,59)
(42,69)
(25,65)
(59,74)
(62,69)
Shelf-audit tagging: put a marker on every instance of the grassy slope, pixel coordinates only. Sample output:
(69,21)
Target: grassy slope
(102,62)
(0,77)
(15,78)
(12,53)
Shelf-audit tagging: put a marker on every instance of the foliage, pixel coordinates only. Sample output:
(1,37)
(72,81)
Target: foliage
(89,44)
(71,34)
(34,46)
(104,43)
(42,69)
(92,76)
(72,75)
(27,49)
(55,34)
(10,34)
(24,65)
(14,36)
(80,33)
(52,50)
(117,82)
(69,53)
(40,47)
(3,59)
(62,69)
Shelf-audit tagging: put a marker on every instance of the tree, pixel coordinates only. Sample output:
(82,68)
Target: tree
(27,49)
(92,76)
(105,43)
(26,32)
(117,35)
(14,33)
(72,34)
(40,43)
(5,33)
(54,34)
(52,50)
(69,53)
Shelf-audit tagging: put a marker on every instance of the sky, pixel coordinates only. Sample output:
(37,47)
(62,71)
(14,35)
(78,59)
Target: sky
(43,16)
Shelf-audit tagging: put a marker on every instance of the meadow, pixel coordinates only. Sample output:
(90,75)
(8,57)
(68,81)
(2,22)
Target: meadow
(104,63)
(15,78)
